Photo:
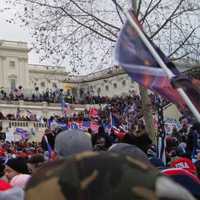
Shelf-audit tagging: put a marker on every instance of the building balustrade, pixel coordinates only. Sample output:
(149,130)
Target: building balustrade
(21,124)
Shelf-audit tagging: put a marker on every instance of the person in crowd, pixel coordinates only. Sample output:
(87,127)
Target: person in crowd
(197,165)
(142,141)
(73,141)
(130,150)
(182,160)
(193,141)
(34,162)
(49,137)
(14,167)
(2,134)
(186,179)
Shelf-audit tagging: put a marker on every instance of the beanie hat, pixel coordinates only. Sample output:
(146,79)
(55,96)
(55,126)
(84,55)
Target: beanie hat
(71,142)
(18,164)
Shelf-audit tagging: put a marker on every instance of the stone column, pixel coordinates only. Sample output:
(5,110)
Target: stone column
(23,73)
(2,71)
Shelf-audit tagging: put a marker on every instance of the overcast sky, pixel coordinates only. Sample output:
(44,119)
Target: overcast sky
(15,32)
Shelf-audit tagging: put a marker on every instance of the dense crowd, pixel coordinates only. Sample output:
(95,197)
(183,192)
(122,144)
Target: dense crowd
(54,95)
(103,154)
(49,95)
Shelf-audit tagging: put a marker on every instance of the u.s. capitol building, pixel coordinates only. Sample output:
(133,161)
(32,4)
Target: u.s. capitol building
(16,71)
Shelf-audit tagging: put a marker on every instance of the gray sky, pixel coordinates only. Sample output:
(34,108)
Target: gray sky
(15,32)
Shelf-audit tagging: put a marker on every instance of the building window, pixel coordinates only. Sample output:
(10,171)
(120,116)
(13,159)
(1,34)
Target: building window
(12,84)
(42,84)
(54,85)
(98,91)
(107,88)
(68,92)
(115,85)
(81,92)
(12,64)
(123,82)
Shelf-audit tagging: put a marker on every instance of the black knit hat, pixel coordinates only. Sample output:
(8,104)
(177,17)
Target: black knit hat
(18,164)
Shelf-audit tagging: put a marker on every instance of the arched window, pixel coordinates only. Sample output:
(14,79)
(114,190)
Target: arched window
(12,84)
(124,82)
(42,84)
(98,91)
(13,81)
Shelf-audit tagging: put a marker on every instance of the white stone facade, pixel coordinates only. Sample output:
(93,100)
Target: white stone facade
(109,82)
(15,72)
(13,64)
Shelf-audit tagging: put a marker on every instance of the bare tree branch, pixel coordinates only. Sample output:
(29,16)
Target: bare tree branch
(88,27)
(168,19)
(139,7)
(79,29)
(149,11)
(118,12)
(89,14)
(74,19)
(183,42)
(179,58)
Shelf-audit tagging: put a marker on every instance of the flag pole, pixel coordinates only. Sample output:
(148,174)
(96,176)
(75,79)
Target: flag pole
(169,73)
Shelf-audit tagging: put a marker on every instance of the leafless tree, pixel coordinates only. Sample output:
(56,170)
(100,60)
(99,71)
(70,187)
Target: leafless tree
(84,32)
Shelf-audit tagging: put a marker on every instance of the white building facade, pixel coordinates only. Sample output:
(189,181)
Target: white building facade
(15,72)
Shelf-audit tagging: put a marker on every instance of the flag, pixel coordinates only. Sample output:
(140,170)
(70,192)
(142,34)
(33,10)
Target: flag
(93,113)
(62,124)
(50,151)
(191,86)
(114,121)
(23,133)
(118,133)
(86,124)
(133,55)
(74,125)
(49,121)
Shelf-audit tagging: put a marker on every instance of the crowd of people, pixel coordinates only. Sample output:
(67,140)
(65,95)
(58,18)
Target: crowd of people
(103,154)
(54,95)
(49,95)
(22,115)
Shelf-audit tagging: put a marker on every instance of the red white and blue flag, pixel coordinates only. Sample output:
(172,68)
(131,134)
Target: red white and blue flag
(133,55)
